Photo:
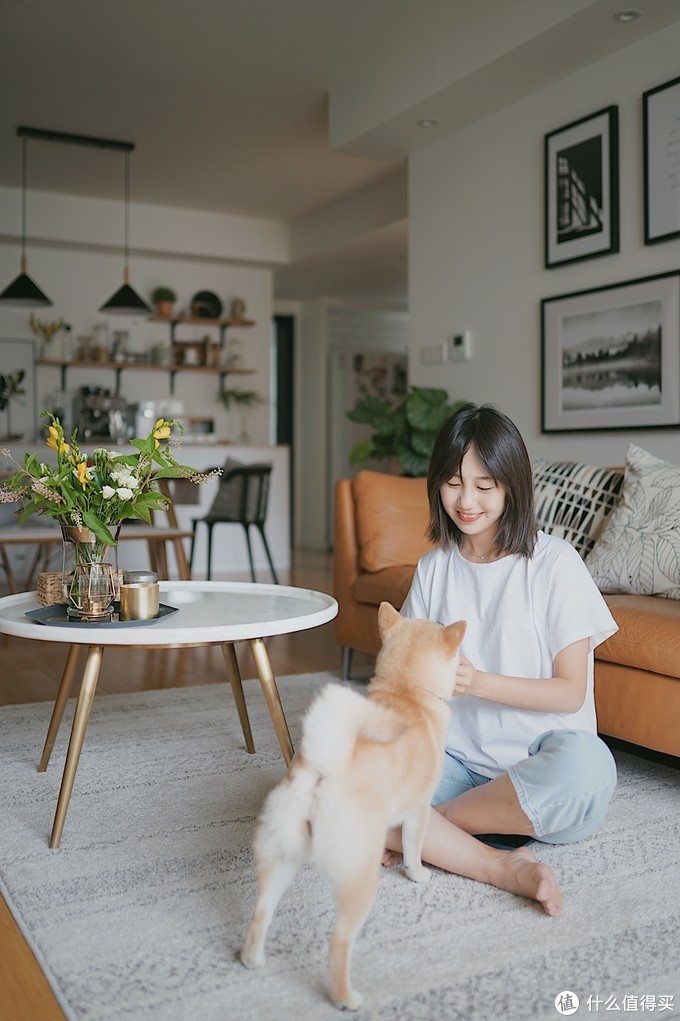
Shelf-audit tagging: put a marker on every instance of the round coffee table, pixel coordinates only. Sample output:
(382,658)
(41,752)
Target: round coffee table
(208,613)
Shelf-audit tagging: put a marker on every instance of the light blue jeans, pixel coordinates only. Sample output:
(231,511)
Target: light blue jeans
(564,786)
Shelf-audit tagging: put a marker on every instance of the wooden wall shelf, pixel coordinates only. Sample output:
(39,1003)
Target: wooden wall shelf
(120,367)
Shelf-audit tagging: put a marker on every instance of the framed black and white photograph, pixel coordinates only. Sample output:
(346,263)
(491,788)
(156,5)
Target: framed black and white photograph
(611,356)
(661,132)
(17,391)
(582,189)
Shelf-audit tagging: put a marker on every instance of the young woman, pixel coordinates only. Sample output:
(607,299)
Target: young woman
(522,752)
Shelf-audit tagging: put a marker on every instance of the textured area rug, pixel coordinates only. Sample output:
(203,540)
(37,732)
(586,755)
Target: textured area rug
(141,912)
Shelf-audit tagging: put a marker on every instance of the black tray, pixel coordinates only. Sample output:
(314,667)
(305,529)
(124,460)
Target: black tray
(55,616)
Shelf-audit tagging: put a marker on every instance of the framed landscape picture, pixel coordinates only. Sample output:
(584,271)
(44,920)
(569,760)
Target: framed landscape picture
(582,189)
(661,126)
(611,356)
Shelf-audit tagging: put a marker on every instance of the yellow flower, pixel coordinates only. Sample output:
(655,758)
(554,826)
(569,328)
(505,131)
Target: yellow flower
(53,441)
(83,477)
(161,431)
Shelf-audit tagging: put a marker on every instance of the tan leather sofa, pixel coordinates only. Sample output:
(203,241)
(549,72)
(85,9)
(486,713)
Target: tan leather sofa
(379,535)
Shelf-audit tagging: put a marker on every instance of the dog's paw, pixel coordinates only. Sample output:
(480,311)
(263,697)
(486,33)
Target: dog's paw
(418,874)
(352,1001)
(251,958)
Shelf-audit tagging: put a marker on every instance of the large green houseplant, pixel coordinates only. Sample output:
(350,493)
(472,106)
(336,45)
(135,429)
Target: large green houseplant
(403,429)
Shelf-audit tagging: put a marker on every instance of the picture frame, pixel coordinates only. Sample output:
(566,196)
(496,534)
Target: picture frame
(581,171)
(610,356)
(20,424)
(661,175)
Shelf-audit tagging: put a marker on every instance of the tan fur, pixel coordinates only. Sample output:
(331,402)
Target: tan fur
(365,764)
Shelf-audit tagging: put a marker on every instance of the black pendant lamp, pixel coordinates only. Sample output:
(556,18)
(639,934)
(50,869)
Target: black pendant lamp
(24,292)
(126,301)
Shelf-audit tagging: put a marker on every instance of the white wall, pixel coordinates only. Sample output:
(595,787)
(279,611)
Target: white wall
(328,326)
(476,254)
(183,249)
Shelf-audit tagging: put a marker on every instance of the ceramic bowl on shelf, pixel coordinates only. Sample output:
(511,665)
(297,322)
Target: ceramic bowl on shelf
(206,305)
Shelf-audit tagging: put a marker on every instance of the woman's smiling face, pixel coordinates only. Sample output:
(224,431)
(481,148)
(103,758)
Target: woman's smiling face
(473,499)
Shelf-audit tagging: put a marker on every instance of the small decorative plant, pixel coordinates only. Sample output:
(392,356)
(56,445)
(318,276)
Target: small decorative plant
(10,386)
(47,331)
(163,298)
(243,401)
(403,429)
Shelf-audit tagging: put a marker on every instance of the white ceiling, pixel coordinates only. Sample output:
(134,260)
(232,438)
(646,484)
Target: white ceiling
(228,101)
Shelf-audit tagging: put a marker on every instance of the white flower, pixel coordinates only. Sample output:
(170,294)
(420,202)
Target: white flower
(108,492)
(124,493)
(124,477)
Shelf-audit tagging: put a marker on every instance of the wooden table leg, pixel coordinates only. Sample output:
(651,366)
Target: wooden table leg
(182,563)
(59,705)
(273,699)
(8,569)
(237,689)
(82,715)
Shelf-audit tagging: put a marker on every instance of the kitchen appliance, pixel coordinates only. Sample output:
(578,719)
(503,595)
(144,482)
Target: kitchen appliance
(100,415)
(147,413)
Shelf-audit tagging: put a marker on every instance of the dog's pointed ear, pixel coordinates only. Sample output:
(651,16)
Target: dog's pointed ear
(387,617)
(454,633)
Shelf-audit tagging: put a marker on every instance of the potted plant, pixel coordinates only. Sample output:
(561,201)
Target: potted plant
(10,386)
(163,298)
(404,429)
(243,401)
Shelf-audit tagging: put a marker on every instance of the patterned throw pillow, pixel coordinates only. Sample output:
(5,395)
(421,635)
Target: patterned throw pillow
(639,548)
(573,500)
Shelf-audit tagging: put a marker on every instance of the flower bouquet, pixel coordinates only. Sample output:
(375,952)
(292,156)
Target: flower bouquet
(90,498)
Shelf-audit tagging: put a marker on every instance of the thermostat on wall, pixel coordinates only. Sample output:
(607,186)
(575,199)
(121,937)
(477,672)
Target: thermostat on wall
(460,347)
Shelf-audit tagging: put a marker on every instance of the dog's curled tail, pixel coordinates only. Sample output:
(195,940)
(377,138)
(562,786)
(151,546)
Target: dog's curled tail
(334,721)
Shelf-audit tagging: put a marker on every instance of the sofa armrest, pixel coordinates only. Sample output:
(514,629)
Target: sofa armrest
(345,542)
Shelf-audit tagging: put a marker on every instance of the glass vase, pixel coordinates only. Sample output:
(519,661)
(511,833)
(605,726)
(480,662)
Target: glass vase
(89,577)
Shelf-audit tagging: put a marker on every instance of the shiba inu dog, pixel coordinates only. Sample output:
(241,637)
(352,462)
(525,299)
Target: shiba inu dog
(365,763)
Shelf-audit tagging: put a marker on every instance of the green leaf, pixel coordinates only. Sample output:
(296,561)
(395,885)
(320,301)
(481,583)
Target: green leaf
(412,463)
(369,410)
(361,453)
(92,522)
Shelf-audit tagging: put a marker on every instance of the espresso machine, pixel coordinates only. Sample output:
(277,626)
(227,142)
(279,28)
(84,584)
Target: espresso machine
(101,416)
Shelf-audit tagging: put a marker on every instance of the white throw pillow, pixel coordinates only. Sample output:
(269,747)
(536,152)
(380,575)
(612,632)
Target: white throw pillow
(638,551)
(573,500)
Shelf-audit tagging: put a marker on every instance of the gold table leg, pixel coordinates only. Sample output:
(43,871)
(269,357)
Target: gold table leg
(273,699)
(82,715)
(237,689)
(59,706)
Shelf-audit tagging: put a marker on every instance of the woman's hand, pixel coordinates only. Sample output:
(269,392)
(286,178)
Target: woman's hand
(466,677)
(564,692)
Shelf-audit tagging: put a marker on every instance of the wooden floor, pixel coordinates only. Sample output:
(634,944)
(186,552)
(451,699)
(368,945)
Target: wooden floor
(29,675)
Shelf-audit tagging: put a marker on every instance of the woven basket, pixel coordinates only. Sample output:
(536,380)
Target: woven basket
(50,590)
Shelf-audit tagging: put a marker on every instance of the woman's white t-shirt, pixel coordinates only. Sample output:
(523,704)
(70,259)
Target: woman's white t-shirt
(520,613)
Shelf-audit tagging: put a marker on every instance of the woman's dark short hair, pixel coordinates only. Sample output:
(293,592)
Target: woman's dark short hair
(500,448)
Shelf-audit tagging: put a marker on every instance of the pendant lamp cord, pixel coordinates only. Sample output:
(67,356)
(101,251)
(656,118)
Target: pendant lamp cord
(127,217)
(23,205)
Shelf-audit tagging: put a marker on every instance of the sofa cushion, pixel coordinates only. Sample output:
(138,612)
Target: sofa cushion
(573,500)
(391,584)
(648,637)
(638,551)
(392,516)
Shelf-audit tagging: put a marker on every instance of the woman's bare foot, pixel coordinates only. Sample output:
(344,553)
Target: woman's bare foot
(521,873)
(390,858)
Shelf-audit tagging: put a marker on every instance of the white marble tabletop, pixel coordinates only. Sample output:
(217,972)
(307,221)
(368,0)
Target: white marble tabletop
(209,612)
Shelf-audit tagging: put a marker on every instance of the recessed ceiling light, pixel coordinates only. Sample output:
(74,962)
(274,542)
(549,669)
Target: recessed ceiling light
(427,122)
(631,14)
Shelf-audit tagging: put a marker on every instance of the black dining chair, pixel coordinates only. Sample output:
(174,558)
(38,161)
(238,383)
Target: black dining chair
(241,499)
